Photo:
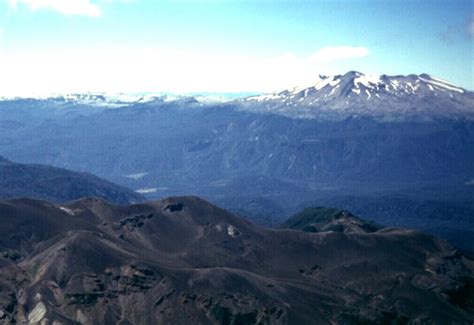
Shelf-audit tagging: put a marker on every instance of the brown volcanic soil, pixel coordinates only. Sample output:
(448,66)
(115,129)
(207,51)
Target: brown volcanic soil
(182,260)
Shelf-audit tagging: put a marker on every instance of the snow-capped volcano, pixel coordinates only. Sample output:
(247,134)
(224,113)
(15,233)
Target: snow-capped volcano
(355,93)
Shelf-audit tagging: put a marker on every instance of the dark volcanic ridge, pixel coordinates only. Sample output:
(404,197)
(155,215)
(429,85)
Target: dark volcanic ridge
(182,260)
(57,184)
(323,219)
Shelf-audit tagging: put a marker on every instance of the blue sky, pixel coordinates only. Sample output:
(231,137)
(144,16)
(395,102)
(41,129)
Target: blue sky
(226,46)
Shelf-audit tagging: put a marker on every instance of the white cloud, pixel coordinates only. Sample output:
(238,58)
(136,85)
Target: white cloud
(65,7)
(336,53)
(155,69)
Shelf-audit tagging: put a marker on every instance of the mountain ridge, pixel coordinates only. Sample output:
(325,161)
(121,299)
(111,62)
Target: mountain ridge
(320,219)
(57,184)
(379,96)
(182,259)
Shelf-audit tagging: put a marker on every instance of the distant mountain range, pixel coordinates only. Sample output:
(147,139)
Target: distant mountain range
(111,100)
(184,261)
(355,94)
(395,149)
(329,97)
(57,184)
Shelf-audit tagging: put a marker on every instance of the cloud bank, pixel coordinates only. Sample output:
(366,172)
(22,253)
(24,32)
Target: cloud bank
(161,69)
(65,7)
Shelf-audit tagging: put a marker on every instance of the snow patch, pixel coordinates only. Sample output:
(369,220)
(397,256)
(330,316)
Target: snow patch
(331,81)
(37,314)
(368,94)
(147,190)
(292,160)
(265,97)
(395,84)
(441,84)
(232,231)
(411,86)
(442,81)
(68,211)
(81,318)
(333,90)
(136,176)
(367,80)
(219,183)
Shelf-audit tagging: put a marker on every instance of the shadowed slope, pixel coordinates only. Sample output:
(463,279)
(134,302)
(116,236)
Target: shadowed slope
(57,184)
(182,260)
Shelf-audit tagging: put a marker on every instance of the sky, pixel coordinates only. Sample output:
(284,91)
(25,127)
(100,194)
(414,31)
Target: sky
(179,46)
